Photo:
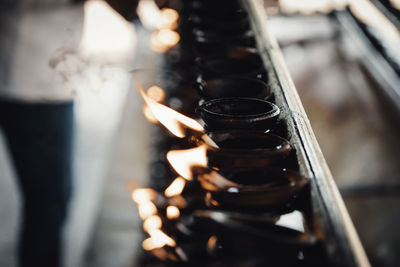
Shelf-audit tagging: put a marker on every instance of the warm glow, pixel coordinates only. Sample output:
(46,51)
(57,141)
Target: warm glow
(164,21)
(150,244)
(174,121)
(142,195)
(211,200)
(151,223)
(146,209)
(212,242)
(175,188)
(168,37)
(168,19)
(183,160)
(156,93)
(149,115)
(178,201)
(148,13)
(162,40)
(160,235)
(173,212)
(154,18)
(156,45)
(157,239)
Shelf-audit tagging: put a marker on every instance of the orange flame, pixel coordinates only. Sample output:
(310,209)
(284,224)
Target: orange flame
(149,115)
(175,188)
(212,242)
(183,160)
(157,239)
(162,40)
(174,121)
(173,212)
(151,223)
(156,93)
(168,19)
(142,195)
(146,209)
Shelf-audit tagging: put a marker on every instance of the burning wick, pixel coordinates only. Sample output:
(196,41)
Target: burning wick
(173,212)
(183,160)
(174,121)
(175,188)
(157,239)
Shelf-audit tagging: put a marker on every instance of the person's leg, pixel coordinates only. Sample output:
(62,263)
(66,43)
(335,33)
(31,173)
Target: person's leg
(40,141)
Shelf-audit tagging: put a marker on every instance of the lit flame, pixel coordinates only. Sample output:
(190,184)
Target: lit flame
(183,160)
(154,18)
(149,115)
(164,21)
(168,19)
(157,239)
(146,209)
(151,223)
(156,93)
(175,188)
(212,242)
(173,212)
(174,121)
(142,195)
(162,40)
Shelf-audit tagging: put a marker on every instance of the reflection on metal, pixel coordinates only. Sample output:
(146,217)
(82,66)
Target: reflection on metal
(389,11)
(382,72)
(308,7)
(366,12)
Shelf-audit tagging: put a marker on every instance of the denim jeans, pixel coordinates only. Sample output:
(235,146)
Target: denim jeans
(40,137)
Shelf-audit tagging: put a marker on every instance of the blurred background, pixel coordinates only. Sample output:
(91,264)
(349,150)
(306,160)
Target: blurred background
(343,57)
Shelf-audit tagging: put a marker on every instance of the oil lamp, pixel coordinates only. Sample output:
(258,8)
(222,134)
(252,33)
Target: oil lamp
(238,113)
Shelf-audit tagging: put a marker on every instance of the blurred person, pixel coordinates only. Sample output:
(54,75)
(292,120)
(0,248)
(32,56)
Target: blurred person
(36,114)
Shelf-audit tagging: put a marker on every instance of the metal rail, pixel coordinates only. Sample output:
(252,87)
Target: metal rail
(332,220)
